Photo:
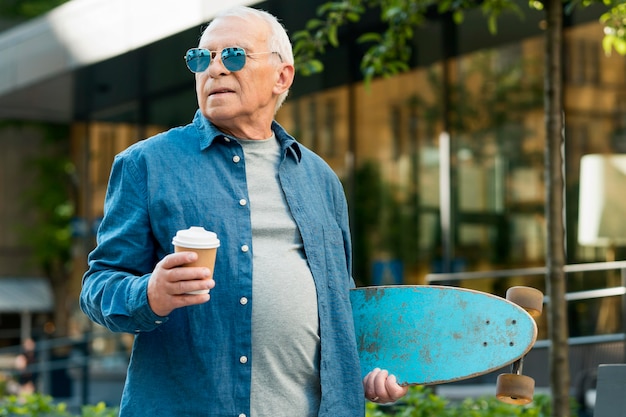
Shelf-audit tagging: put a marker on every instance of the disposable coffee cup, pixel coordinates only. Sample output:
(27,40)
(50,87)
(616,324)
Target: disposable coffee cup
(203,242)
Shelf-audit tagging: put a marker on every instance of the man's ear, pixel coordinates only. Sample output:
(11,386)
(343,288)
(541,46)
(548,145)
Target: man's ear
(284,80)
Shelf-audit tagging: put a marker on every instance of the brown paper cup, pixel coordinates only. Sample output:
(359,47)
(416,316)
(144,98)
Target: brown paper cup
(206,258)
(204,243)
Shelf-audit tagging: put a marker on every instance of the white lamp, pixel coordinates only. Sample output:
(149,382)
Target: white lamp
(602,207)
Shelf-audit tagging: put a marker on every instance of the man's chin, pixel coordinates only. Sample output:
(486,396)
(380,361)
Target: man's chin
(218,115)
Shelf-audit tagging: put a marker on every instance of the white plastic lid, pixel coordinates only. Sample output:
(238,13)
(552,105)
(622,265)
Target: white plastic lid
(196,237)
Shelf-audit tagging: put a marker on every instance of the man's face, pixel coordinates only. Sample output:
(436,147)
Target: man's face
(241,102)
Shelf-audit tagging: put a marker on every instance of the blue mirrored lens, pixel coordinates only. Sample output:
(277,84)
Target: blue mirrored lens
(198,60)
(233,58)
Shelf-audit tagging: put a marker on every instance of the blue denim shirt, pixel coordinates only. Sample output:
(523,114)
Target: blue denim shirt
(193,362)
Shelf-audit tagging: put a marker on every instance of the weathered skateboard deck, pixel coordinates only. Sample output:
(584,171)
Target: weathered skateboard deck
(434,334)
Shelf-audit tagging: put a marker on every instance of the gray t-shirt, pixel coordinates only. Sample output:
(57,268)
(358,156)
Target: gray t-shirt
(285,327)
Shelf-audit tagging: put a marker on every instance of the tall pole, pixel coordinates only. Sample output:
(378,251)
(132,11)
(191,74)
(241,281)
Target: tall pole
(554,186)
(447,183)
(445,202)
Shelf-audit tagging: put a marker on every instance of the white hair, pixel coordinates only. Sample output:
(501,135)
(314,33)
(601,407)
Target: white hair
(278,41)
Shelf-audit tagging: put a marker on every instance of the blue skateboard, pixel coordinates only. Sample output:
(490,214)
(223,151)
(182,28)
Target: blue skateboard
(426,335)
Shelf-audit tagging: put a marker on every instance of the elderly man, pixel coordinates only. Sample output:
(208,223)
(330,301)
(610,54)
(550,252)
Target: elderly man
(274,335)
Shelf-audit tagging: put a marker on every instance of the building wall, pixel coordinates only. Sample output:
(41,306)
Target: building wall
(496,124)
(20,145)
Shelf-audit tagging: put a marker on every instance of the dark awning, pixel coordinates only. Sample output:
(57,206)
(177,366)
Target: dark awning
(20,295)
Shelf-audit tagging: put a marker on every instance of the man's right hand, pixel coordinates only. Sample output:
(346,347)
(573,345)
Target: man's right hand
(170,283)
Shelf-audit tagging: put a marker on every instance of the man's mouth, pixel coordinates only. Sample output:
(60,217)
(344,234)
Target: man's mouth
(220,91)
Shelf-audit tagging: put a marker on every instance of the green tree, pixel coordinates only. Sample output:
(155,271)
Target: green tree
(51,200)
(389,54)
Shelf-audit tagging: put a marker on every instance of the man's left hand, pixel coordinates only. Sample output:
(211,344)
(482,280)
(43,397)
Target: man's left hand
(380,387)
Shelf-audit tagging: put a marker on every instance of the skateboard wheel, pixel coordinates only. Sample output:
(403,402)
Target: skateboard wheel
(515,389)
(530,299)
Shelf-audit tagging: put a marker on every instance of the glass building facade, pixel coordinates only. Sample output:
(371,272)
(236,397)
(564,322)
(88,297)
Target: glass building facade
(443,165)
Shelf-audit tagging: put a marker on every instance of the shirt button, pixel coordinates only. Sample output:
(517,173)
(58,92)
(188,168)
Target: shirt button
(226,139)
(245,248)
(242,415)
(243,359)
(243,202)
(243,301)
(158,322)
(236,158)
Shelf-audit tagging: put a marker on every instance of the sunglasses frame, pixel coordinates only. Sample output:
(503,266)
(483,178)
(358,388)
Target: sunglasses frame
(226,55)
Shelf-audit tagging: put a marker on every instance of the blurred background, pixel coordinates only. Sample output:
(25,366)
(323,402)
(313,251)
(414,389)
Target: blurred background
(443,165)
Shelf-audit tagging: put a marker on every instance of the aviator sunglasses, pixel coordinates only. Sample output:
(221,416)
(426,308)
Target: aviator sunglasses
(233,58)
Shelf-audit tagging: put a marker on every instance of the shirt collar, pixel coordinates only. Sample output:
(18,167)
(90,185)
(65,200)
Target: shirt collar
(209,133)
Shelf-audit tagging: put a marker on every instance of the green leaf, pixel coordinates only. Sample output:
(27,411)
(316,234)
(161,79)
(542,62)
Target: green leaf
(620,46)
(300,35)
(458,17)
(311,67)
(370,37)
(314,24)
(353,17)
(607,45)
(535,4)
(332,36)
(492,23)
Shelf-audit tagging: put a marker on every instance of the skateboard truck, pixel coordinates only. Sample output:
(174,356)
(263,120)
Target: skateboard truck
(516,388)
